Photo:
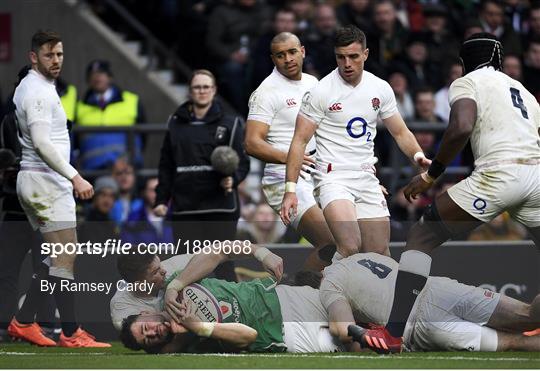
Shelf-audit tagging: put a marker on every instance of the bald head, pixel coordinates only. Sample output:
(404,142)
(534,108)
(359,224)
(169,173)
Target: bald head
(283,37)
(288,55)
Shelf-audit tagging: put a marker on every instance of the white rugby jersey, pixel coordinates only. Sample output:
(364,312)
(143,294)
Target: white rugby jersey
(276,102)
(36,100)
(125,303)
(346,117)
(508,116)
(366,281)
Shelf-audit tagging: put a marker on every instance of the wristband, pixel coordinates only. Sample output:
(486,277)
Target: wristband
(206,329)
(176,285)
(436,169)
(425,176)
(290,187)
(418,155)
(261,253)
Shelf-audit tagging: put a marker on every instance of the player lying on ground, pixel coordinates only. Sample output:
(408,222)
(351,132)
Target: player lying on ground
(306,327)
(502,120)
(142,270)
(448,315)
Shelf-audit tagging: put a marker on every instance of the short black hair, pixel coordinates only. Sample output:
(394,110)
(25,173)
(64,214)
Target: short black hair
(42,37)
(308,278)
(349,34)
(132,267)
(480,50)
(129,341)
(126,336)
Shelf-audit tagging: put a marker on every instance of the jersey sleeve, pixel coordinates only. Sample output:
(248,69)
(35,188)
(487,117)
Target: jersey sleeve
(313,107)
(388,104)
(38,108)
(333,285)
(261,107)
(461,88)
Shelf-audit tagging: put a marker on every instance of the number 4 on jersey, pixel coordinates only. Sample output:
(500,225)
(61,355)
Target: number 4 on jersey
(517,101)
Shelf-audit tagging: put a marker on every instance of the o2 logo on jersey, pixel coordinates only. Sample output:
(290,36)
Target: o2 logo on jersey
(354,135)
(480,205)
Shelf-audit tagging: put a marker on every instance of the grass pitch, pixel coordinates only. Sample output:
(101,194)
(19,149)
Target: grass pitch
(21,355)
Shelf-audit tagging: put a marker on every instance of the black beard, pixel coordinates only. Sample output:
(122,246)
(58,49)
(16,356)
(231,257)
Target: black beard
(45,72)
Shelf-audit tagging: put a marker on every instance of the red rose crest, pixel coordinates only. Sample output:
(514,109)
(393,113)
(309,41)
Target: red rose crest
(376,103)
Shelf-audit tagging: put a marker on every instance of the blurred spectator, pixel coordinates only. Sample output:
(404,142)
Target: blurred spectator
(284,21)
(531,68)
(387,39)
(472,26)
(143,225)
(357,13)
(98,225)
(319,42)
(105,194)
(264,228)
(441,43)
(191,30)
(512,67)
(516,12)
(501,228)
(68,97)
(124,175)
(416,65)
(105,104)
(452,72)
(233,32)
(533,23)
(424,105)
(400,86)
(303,9)
(491,17)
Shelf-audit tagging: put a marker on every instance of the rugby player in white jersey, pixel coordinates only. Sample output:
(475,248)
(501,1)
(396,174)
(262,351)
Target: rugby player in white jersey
(502,120)
(46,184)
(273,108)
(448,315)
(342,112)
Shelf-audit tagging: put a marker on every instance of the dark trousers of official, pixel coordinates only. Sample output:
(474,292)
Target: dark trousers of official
(210,227)
(17,239)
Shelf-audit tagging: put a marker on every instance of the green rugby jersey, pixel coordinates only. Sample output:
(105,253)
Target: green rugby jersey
(253,303)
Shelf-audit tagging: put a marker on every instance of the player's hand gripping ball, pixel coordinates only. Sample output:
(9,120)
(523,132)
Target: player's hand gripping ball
(208,309)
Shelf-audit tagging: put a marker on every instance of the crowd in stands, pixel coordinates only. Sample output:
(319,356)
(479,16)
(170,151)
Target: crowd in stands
(413,45)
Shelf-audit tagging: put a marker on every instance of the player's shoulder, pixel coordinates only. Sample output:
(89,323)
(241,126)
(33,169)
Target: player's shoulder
(327,85)
(309,79)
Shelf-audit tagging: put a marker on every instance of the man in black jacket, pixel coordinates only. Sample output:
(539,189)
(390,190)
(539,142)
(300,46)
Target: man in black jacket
(205,204)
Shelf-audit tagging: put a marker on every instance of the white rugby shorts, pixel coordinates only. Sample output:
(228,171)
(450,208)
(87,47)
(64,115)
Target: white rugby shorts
(360,187)
(47,200)
(274,191)
(449,315)
(488,192)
